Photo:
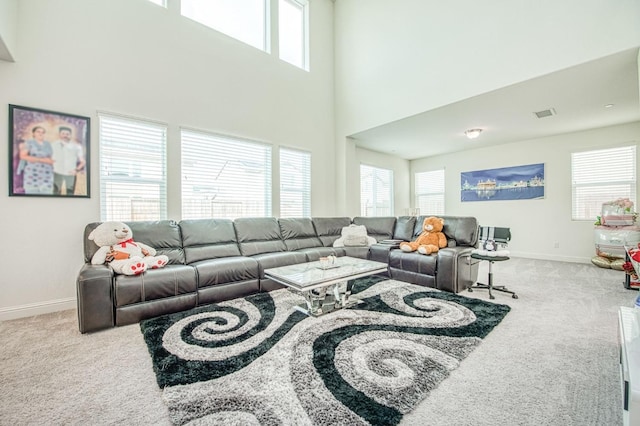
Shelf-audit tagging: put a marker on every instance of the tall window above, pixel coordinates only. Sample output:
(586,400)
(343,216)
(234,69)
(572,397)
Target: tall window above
(293,24)
(429,187)
(295,183)
(224,177)
(601,176)
(376,191)
(133,171)
(162,3)
(244,20)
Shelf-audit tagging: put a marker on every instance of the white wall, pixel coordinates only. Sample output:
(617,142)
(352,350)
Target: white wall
(535,224)
(8,29)
(398,58)
(135,58)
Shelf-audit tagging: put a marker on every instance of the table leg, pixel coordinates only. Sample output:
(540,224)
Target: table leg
(328,299)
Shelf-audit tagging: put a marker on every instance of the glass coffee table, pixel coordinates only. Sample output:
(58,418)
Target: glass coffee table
(324,290)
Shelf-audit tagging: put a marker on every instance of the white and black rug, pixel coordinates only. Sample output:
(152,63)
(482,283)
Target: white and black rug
(257,361)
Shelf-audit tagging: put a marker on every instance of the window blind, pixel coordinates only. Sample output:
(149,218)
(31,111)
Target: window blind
(376,191)
(295,183)
(601,176)
(133,178)
(429,192)
(224,177)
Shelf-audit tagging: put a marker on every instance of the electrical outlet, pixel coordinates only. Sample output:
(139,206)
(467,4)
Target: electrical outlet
(556,245)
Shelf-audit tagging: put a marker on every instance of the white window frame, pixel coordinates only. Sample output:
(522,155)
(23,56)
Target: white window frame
(430,192)
(599,176)
(295,183)
(369,203)
(197,12)
(133,167)
(225,176)
(302,61)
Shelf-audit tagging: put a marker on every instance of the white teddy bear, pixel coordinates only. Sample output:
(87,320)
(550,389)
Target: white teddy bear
(354,236)
(120,252)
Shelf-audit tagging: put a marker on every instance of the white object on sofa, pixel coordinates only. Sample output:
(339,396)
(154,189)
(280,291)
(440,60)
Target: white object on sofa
(354,236)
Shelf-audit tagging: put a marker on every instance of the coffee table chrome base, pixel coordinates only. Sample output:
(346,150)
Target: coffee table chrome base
(327,299)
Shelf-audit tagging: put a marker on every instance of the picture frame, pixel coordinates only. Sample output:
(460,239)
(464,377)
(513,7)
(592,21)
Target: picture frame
(49,153)
(525,182)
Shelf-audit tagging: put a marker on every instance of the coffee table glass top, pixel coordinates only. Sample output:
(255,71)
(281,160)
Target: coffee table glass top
(304,276)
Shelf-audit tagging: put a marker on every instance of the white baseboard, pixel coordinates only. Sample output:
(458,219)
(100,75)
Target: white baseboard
(32,309)
(545,256)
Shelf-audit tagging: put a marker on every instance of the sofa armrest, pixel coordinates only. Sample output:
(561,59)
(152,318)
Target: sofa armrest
(380,252)
(455,272)
(94,287)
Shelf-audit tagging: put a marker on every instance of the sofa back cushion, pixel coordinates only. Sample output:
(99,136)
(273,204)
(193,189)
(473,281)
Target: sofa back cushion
(380,228)
(460,230)
(298,233)
(208,239)
(162,235)
(258,235)
(404,228)
(329,229)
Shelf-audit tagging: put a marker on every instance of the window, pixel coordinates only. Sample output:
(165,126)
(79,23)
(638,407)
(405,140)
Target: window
(224,177)
(162,3)
(601,176)
(429,187)
(376,191)
(293,23)
(244,20)
(295,183)
(133,177)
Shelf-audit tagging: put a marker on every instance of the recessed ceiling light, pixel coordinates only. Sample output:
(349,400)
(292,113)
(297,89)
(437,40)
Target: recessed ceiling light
(608,106)
(473,133)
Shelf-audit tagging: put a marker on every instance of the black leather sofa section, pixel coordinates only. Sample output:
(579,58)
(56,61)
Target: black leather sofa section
(213,260)
(450,270)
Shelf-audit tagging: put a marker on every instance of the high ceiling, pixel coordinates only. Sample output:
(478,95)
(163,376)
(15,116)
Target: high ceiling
(595,94)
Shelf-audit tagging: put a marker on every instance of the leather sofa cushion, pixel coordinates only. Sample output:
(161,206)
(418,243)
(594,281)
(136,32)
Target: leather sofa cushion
(404,228)
(162,235)
(172,280)
(208,239)
(462,229)
(226,270)
(275,260)
(258,235)
(315,253)
(329,229)
(413,262)
(361,252)
(380,228)
(298,233)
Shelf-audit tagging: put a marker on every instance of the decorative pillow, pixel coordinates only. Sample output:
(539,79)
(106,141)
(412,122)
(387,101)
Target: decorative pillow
(354,235)
(355,241)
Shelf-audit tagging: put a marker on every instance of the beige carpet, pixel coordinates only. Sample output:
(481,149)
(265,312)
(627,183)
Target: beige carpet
(552,361)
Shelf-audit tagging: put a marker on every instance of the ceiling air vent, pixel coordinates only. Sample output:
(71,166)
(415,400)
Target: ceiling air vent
(545,113)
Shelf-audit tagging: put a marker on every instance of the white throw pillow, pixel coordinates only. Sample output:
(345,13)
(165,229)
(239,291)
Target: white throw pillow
(354,236)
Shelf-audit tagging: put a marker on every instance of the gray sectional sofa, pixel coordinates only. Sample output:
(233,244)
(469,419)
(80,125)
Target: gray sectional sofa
(213,260)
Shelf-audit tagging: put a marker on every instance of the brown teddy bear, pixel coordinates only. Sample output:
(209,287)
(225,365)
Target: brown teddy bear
(430,240)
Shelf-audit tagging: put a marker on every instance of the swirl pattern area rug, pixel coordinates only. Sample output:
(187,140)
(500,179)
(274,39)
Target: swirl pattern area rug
(258,361)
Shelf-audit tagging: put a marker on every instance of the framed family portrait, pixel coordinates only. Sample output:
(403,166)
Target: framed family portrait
(48,153)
